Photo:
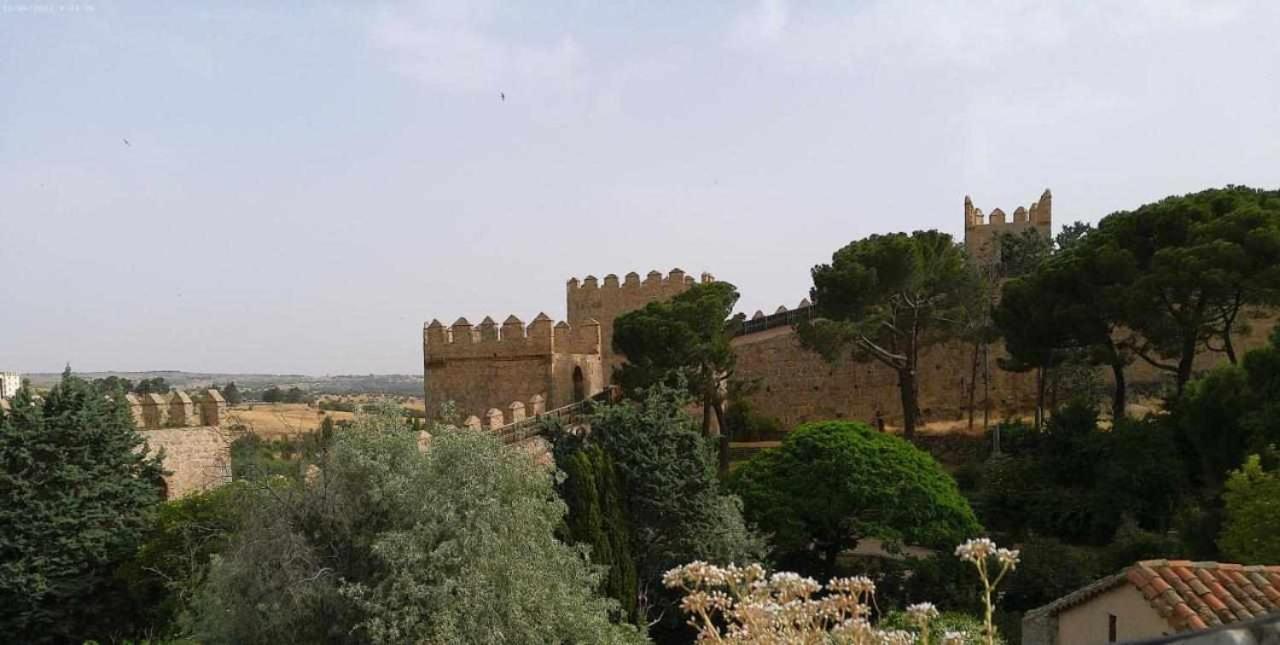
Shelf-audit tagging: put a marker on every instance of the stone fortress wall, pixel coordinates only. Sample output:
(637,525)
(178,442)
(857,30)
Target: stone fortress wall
(486,378)
(982,232)
(588,300)
(487,367)
(196,450)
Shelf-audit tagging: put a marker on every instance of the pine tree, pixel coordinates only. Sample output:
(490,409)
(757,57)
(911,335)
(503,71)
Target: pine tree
(75,487)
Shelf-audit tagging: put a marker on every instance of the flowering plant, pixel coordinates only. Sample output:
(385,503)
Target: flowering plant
(746,605)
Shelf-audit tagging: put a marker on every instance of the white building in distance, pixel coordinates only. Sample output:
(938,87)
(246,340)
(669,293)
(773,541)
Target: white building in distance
(9,384)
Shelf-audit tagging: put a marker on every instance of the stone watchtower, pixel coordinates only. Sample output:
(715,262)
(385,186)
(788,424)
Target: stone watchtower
(488,368)
(982,233)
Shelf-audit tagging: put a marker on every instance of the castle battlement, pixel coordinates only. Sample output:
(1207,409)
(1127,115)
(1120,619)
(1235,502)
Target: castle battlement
(982,230)
(653,280)
(1039,213)
(511,339)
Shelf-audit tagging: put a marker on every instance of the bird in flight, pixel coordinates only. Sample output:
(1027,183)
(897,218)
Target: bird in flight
(502,95)
(126,142)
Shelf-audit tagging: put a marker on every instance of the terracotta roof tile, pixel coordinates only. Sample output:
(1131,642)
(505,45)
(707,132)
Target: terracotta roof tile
(1190,595)
(1196,595)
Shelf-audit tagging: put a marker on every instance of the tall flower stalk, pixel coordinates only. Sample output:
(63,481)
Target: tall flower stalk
(982,552)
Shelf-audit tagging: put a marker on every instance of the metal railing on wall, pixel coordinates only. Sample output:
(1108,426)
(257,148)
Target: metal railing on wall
(528,428)
(781,319)
(1259,631)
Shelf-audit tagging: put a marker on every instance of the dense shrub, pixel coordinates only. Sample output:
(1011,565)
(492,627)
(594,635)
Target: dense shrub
(390,544)
(833,483)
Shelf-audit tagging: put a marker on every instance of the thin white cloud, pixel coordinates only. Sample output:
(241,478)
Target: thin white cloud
(451,46)
(949,33)
(764,23)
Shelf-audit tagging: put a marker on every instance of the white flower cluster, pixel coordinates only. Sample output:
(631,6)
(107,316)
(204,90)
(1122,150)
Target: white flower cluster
(980,549)
(922,611)
(746,605)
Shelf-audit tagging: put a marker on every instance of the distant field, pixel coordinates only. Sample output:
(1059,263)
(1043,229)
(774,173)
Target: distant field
(404,384)
(273,420)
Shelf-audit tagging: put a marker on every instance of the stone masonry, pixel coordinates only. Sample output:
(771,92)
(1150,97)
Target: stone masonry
(197,451)
(982,233)
(495,373)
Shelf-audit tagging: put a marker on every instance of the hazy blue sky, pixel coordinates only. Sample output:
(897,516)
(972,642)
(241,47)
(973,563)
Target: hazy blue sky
(305,185)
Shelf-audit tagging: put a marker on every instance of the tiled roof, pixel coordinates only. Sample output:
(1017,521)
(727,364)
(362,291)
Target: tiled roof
(1189,595)
(1197,595)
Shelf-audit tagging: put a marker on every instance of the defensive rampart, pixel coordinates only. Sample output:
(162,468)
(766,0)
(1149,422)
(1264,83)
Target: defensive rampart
(486,366)
(982,232)
(590,300)
(195,458)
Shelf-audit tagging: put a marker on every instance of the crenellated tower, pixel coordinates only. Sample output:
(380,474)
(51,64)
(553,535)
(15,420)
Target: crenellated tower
(487,367)
(982,232)
(589,299)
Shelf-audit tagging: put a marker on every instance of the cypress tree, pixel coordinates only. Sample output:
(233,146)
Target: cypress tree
(597,518)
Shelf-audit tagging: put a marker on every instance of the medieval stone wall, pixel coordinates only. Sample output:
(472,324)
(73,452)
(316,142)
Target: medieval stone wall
(589,300)
(487,367)
(197,458)
(177,409)
(796,385)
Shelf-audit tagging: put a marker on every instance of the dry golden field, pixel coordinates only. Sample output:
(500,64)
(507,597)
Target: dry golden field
(273,420)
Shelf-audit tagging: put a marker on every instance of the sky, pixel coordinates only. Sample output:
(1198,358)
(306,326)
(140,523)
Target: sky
(297,188)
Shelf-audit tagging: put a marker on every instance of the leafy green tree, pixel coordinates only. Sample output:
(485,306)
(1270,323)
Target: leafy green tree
(598,519)
(75,487)
(887,298)
(1071,308)
(156,385)
(172,561)
(683,340)
(113,384)
(1230,412)
(1070,235)
(273,394)
(1022,253)
(389,544)
(675,507)
(232,394)
(1029,316)
(833,483)
(1252,501)
(1200,260)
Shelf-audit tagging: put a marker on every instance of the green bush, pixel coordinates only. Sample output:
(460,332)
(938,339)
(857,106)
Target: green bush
(947,621)
(832,483)
(173,559)
(745,424)
(391,544)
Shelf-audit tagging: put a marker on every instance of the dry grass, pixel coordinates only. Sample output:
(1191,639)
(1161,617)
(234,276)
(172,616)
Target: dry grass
(274,420)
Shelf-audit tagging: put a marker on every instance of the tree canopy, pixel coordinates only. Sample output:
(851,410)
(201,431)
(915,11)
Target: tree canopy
(833,483)
(390,544)
(1197,262)
(75,486)
(887,298)
(676,509)
(1252,500)
(682,340)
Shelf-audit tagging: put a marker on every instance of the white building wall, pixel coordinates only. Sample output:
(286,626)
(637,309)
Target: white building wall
(9,384)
